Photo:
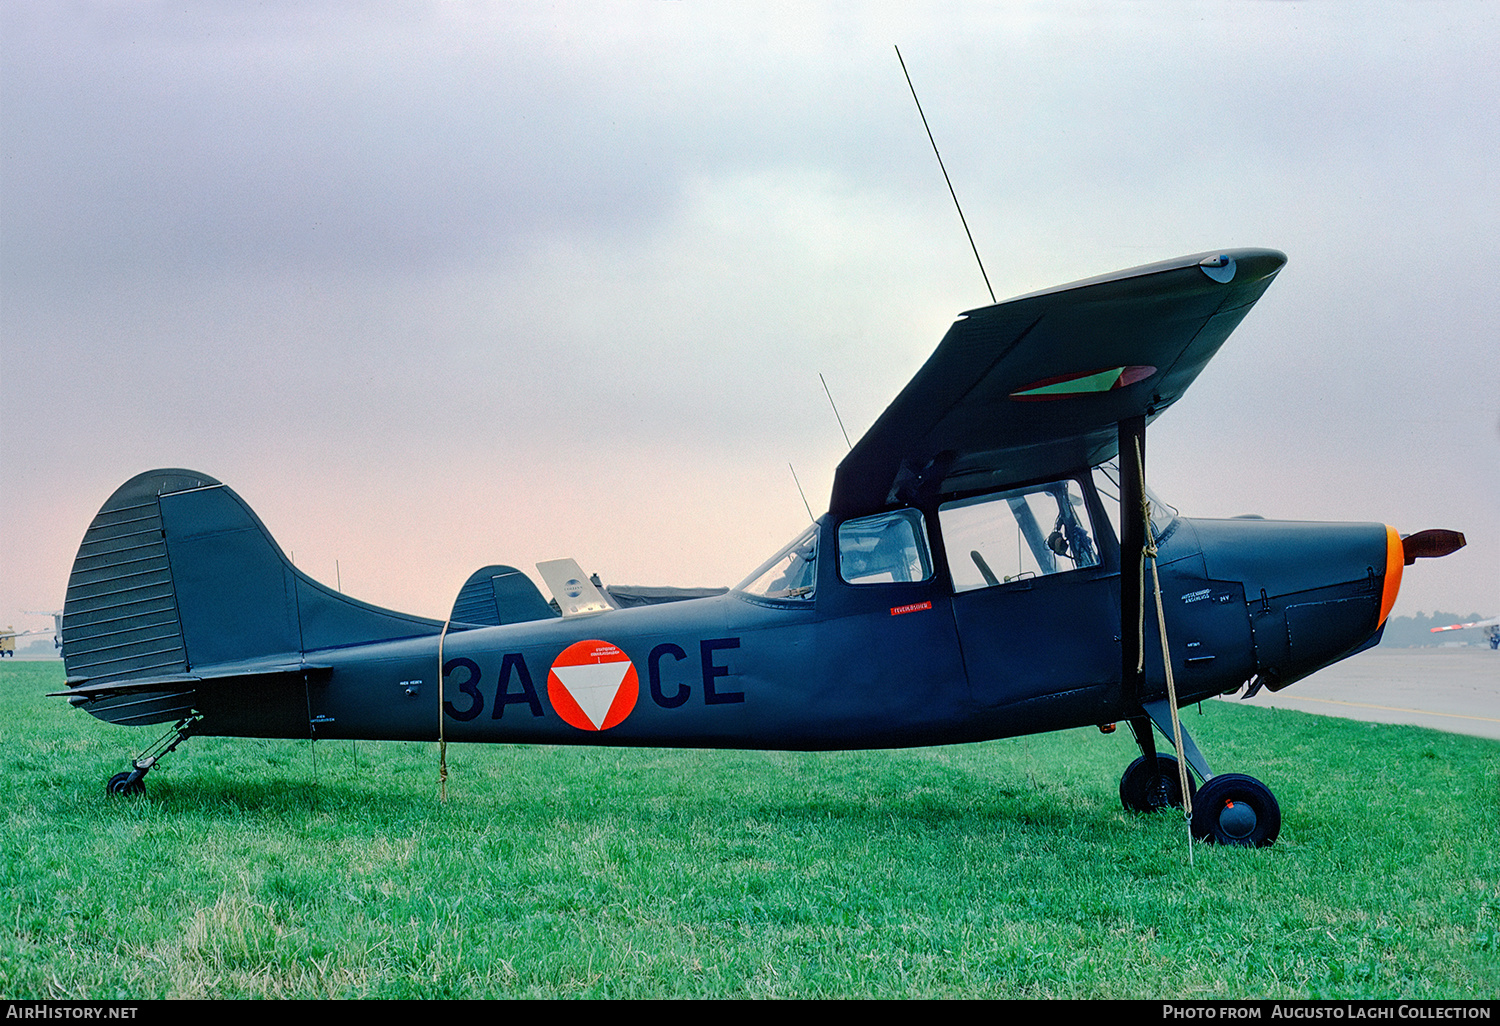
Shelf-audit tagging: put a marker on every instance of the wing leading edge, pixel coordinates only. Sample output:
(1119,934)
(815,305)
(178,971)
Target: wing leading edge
(1036,385)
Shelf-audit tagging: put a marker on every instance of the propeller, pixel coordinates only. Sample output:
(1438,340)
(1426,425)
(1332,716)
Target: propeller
(1430,544)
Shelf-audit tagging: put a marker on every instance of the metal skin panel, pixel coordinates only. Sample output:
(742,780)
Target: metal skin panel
(1208,624)
(720,672)
(1040,636)
(1281,557)
(1208,629)
(729,671)
(245,599)
(235,595)
(256,706)
(1324,580)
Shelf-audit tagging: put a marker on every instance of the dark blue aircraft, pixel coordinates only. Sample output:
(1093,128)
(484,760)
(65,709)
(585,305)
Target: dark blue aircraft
(982,572)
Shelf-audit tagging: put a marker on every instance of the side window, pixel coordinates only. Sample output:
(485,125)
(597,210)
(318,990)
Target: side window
(1107,482)
(884,548)
(1027,532)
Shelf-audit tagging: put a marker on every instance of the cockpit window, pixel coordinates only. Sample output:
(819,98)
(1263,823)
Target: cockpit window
(791,574)
(1026,532)
(885,548)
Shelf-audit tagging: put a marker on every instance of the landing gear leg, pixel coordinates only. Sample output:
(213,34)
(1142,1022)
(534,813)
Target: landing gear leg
(1151,783)
(133,780)
(1231,808)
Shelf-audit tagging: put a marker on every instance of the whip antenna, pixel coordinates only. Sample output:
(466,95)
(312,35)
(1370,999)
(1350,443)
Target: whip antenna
(939,157)
(835,411)
(801,493)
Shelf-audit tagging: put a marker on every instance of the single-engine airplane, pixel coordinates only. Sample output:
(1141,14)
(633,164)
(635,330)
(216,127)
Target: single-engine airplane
(979,574)
(1492,629)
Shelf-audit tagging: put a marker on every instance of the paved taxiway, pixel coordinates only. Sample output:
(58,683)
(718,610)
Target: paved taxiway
(1453,689)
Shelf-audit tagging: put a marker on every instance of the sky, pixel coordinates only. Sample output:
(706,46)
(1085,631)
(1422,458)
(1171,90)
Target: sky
(438,285)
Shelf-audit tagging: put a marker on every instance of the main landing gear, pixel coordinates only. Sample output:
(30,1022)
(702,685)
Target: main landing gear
(1147,788)
(133,780)
(1236,809)
(1227,809)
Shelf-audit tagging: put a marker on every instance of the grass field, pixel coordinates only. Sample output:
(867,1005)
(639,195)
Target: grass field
(1006,869)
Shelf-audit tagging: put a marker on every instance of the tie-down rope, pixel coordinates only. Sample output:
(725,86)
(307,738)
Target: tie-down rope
(1149,551)
(442,737)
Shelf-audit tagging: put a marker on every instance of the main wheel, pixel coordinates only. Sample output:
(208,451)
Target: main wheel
(121,783)
(1236,809)
(1144,791)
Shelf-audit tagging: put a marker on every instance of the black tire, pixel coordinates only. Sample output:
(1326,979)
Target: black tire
(1143,791)
(121,783)
(1236,809)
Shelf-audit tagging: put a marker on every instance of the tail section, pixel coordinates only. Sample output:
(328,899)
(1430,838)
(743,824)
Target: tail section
(177,581)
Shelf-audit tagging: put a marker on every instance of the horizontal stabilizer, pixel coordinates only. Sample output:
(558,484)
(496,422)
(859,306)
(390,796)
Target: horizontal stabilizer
(177,681)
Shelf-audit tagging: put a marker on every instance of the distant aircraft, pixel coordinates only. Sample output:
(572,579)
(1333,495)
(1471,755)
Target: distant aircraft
(9,635)
(980,573)
(1493,632)
(56,631)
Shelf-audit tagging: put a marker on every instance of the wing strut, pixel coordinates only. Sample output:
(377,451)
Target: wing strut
(1132,565)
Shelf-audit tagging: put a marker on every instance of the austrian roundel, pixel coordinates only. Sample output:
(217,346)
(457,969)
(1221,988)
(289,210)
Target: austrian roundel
(592,685)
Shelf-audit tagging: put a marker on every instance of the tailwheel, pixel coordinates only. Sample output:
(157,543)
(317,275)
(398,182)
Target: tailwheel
(1236,809)
(128,782)
(133,780)
(1141,790)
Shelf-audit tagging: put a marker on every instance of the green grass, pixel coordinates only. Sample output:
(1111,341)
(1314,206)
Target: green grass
(1005,869)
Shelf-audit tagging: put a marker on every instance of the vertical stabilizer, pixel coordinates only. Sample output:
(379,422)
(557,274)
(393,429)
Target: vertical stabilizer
(176,573)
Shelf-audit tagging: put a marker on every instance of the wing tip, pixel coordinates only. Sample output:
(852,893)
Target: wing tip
(1248,265)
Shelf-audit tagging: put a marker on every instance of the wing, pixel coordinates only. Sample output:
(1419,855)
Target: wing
(1035,386)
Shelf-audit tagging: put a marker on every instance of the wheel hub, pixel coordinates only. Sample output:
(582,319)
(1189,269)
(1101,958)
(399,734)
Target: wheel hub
(1237,819)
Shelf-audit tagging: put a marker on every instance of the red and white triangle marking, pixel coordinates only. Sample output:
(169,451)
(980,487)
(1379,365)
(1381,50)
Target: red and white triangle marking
(592,685)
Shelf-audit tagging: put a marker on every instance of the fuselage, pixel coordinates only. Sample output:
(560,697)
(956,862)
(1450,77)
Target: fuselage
(888,663)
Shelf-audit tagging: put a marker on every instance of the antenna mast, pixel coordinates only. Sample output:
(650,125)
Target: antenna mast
(939,157)
(801,493)
(835,411)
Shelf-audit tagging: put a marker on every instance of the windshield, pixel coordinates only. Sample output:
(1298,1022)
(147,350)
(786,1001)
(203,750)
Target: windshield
(790,574)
